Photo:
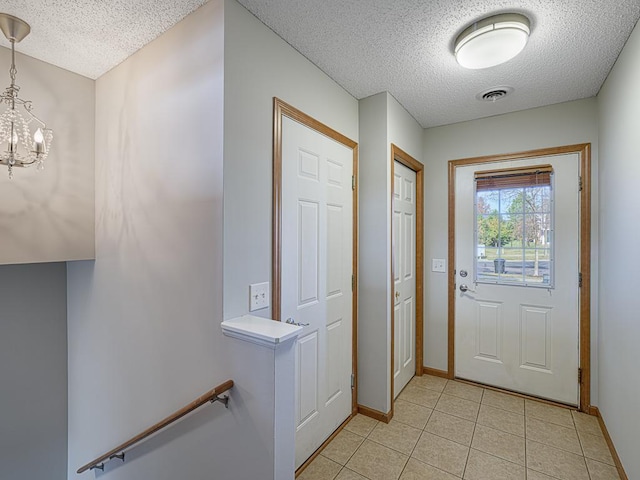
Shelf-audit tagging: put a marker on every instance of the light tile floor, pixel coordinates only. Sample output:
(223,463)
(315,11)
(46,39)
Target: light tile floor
(447,430)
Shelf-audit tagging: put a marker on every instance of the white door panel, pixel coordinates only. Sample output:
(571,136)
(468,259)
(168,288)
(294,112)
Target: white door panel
(317,252)
(404,278)
(521,338)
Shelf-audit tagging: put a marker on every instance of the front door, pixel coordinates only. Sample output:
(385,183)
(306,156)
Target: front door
(404,275)
(517,275)
(316,285)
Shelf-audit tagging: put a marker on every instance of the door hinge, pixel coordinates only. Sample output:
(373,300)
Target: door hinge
(353,182)
(579,376)
(580,280)
(580,183)
(353,282)
(353,381)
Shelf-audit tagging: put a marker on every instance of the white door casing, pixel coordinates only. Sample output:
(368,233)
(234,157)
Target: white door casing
(404,275)
(524,339)
(316,278)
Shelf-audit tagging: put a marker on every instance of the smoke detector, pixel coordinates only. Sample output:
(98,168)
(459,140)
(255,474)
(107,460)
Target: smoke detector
(494,94)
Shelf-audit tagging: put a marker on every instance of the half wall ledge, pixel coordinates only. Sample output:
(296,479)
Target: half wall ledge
(261,331)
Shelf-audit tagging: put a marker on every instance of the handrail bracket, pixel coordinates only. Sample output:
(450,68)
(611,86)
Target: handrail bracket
(118,452)
(222,399)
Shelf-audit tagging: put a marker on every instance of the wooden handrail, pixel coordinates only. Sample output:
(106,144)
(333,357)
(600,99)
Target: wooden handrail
(210,396)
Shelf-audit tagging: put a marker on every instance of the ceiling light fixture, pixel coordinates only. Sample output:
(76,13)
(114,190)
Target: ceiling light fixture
(23,148)
(492,40)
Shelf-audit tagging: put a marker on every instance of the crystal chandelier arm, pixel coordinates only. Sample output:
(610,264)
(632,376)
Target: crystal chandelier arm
(32,116)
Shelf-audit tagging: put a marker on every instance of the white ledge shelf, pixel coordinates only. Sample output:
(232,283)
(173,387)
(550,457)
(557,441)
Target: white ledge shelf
(261,331)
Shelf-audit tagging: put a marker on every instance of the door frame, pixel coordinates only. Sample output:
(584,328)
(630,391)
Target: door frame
(399,155)
(282,109)
(584,152)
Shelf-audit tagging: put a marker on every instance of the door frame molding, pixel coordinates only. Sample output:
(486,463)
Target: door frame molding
(282,109)
(399,155)
(584,152)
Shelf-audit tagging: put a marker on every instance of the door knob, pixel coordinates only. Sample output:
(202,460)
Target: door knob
(397,295)
(464,288)
(290,321)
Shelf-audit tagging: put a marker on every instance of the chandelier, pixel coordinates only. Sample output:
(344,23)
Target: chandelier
(24,147)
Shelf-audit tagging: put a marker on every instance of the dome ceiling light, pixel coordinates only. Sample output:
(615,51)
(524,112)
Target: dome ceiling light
(492,40)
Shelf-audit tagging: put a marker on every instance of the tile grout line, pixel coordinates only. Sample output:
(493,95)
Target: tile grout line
(354,452)
(360,446)
(387,446)
(526,459)
(480,403)
(565,451)
(524,435)
(351,456)
(474,428)
(584,457)
(475,424)
(414,403)
(576,431)
(422,431)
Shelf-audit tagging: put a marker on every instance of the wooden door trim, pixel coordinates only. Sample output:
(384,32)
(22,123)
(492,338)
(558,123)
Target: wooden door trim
(399,155)
(282,109)
(584,152)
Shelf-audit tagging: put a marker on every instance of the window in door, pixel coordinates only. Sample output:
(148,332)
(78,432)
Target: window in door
(514,226)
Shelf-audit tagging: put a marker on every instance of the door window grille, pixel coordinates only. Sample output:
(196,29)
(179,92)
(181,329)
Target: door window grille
(514,226)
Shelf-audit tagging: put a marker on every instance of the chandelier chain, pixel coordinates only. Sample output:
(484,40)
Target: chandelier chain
(13,71)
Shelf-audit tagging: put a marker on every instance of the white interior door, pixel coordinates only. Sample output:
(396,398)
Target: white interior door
(404,275)
(316,285)
(517,325)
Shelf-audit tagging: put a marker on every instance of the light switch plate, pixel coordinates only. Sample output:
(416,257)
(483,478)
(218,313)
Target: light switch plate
(258,296)
(438,265)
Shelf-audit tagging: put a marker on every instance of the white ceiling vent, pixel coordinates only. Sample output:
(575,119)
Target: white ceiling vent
(494,94)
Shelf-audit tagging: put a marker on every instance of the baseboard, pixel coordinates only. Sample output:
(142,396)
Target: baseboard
(322,447)
(435,372)
(612,448)
(375,414)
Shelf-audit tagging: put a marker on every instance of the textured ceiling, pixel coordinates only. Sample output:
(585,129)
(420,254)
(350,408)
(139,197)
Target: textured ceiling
(405,47)
(90,37)
(367,46)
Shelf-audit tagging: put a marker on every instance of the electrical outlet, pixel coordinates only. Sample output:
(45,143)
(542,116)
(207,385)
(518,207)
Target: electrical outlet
(438,265)
(258,296)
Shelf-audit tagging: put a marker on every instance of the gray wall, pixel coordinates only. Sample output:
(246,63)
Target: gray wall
(619,329)
(48,216)
(374,269)
(259,65)
(383,121)
(144,318)
(33,372)
(552,126)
